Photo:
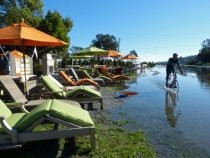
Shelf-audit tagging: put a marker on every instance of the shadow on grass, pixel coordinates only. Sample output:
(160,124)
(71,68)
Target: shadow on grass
(46,149)
(70,148)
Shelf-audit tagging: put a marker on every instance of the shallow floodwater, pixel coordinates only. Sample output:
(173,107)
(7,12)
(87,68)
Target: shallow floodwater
(176,125)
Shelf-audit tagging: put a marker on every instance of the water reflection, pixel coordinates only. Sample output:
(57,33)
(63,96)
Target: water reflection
(202,74)
(170,108)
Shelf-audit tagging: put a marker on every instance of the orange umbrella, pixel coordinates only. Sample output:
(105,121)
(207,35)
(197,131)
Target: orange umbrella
(17,54)
(112,53)
(23,35)
(129,56)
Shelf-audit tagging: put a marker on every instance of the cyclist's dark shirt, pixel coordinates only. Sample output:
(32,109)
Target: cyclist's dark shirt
(171,63)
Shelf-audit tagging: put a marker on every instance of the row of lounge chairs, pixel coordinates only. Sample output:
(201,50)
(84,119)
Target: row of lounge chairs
(101,76)
(59,105)
(18,128)
(82,94)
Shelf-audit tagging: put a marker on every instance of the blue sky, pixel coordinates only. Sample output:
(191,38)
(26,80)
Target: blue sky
(154,28)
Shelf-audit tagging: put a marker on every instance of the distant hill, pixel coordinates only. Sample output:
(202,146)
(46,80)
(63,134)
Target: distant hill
(182,60)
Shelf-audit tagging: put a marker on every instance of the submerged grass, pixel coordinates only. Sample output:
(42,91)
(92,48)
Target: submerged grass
(111,140)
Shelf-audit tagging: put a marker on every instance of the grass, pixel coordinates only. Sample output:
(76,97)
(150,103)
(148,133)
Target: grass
(111,140)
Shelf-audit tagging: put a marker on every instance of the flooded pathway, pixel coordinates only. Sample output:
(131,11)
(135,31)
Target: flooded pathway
(176,125)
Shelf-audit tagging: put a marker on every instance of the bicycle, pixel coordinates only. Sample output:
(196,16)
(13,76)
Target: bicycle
(172,82)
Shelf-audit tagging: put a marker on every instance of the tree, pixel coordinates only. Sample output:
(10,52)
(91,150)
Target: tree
(204,54)
(107,42)
(12,11)
(55,25)
(133,52)
(205,44)
(75,49)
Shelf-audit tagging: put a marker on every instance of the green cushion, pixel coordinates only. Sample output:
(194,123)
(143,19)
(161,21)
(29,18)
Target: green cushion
(15,119)
(70,113)
(52,87)
(84,89)
(83,74)
(12,120)
(4,110)
(34,115)
(55,108)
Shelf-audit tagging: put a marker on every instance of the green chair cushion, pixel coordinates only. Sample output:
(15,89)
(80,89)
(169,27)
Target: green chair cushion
(15,118)
(83,89)
(55,108)
(34,115)
(4,110)
(12,120)
(52,87)
(70,113)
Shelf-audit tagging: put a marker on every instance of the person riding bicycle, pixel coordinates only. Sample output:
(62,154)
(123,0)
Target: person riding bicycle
(170,66)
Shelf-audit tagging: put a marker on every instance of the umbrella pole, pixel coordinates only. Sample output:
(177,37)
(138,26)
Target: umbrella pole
(25,81)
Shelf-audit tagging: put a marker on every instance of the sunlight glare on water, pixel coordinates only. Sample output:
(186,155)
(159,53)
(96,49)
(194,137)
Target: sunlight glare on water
(177,125)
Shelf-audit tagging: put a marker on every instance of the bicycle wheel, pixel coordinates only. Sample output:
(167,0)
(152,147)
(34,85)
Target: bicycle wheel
(175,86)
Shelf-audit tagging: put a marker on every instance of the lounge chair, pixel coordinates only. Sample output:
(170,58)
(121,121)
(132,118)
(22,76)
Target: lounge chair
(120,78)
(18,98)
(67,87)
(76,73)
(78,82)
(18,128)
(82,94)
(84,74)
(106,79)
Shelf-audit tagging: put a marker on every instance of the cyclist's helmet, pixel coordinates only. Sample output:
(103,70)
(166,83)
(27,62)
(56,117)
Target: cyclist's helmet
(175,55)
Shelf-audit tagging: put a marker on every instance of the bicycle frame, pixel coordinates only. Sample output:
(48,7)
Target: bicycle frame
(174,85)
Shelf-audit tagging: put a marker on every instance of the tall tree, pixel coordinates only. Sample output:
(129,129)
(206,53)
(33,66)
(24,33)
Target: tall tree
(12,11)
(55,25)
(74,49)
(133,52)
(107,42)
(204,54)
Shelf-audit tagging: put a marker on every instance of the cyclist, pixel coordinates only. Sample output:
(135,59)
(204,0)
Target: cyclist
(170,66)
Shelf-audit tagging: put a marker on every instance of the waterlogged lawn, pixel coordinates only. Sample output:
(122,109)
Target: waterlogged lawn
(116,142)
(111,140)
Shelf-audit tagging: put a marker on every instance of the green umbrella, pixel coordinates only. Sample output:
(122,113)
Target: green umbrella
(80,57)
(92,51)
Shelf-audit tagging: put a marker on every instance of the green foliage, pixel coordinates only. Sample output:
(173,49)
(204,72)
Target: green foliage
(55,25)
(12,11)
(150,64)
(107,42)
(204,55)
(75,49)
(133,52)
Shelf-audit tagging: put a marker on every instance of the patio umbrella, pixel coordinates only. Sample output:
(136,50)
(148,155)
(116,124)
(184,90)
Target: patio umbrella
(80,57)
(23,35)
(111,53)
(92,51)
(129,56)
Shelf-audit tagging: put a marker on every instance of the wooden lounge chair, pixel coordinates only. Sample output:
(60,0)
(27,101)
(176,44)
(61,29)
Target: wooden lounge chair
(106,79)
(77,77)
(120,78)
(100,78)
(79,82)
(67,87)
(82,94)
(18,98)
(18,128)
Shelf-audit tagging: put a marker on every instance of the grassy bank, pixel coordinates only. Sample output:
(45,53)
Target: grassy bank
(112,141)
